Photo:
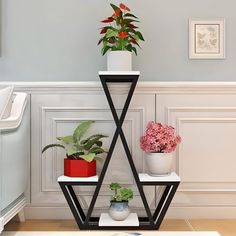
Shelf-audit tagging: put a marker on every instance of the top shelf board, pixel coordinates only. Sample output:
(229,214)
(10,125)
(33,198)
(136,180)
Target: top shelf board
(119,72)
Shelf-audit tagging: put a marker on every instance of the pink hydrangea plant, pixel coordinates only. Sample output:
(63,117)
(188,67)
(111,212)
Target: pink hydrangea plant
(159,138)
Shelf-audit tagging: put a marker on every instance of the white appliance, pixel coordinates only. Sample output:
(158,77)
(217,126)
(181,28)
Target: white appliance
(14,159)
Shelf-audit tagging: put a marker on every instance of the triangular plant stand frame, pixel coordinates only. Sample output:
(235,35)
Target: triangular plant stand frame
(85,221)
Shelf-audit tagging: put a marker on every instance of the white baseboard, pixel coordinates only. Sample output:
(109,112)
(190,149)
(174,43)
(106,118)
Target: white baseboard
(16,208)
(64,213)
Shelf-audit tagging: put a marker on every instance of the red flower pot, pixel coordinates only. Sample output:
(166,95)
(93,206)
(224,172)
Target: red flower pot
(79,168)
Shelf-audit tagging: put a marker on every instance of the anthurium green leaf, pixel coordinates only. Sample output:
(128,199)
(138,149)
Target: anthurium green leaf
(130,15)
(135,50)
(111,33)
(105,49)
(128,20)
(81,130)
(130,30)
(100,40)
(129,47)
(139,35)
(114,7)
(52,145)
(88,157)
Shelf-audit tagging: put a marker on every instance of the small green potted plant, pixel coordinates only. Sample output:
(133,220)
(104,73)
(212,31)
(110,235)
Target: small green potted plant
(119,208)
(120,37)
(81,153)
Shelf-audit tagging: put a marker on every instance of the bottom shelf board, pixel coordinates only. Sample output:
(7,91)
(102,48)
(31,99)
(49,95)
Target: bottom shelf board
(106,220)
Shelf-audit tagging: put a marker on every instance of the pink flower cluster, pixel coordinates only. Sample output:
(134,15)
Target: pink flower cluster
(159,138)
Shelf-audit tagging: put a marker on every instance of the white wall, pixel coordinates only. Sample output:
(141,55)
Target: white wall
(56,40)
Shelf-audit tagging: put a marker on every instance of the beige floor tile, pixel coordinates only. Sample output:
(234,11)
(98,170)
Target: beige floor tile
(174,225)
(224,227)
(42,225)
(70,225)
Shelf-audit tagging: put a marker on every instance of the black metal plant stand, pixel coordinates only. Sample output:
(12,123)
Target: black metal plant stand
(86,221)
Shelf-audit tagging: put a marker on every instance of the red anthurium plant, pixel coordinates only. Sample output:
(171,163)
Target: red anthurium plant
(121,32)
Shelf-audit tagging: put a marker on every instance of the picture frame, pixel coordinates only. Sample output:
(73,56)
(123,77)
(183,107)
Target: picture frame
(207,38)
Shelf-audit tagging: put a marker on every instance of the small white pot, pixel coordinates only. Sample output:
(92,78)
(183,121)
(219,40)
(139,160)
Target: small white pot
(159,163)
(119,210)
(119,61)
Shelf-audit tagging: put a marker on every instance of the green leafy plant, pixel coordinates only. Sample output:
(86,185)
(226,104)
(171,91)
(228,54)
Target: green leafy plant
(121,33)
(121,194)
(77,147)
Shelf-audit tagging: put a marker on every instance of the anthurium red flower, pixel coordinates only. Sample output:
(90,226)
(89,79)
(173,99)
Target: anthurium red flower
(108,20)
(122,6)
(116,13)
(123,35)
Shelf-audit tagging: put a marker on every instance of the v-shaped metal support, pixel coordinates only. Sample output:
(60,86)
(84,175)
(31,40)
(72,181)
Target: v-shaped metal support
(118,79)
(85,221)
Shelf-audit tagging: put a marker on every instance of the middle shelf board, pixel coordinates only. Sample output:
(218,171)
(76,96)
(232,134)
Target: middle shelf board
(143,177)
(67,179)
(165,179)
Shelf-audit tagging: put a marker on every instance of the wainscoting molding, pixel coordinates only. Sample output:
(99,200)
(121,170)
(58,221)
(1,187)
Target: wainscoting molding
(204,114)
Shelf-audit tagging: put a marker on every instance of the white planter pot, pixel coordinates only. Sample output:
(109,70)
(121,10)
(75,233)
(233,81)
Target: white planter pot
(119,61)
(159,163)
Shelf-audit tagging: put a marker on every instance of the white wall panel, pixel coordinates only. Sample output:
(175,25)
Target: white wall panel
(205,160)
(204,114)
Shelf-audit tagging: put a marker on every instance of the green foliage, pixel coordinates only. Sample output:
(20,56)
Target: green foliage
(78,148)
(121,194)
(120,33)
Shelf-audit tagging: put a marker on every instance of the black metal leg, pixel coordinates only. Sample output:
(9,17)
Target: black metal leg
(161,202)
(72,204)
(75,199)
(166,205)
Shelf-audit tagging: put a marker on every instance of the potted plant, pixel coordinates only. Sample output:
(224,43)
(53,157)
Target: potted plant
(119,208)
(81,153)
(120,38)
(159,142)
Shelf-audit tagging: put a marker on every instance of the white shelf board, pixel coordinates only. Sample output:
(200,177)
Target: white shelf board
(172,177)
(119,72)
(106,220)
(64,178)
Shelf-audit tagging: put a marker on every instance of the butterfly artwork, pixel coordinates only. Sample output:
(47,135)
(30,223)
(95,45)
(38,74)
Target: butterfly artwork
(206,38)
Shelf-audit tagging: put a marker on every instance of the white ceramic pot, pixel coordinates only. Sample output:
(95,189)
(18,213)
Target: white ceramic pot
(159,164)
(119,61)
(119,210)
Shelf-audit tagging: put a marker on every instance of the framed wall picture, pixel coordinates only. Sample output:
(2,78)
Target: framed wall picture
(207,38)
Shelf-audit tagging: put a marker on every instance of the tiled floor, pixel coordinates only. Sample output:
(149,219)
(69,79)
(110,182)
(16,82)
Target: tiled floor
(224,227)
